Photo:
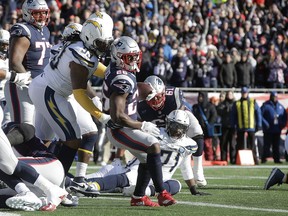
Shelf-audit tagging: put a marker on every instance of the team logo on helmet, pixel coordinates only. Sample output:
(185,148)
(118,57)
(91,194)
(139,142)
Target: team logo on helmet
(96,24)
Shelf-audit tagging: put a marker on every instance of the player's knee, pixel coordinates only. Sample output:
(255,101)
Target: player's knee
(173,186)
(88,142)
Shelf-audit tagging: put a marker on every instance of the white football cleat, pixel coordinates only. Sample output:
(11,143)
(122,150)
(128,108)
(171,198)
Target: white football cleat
(27,201)
(201,183)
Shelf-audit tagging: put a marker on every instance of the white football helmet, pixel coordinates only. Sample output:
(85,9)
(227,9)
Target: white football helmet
(97,33)
(177,124)
(71,31)
(30,7)
(157,98)
(4,41)
(126,53)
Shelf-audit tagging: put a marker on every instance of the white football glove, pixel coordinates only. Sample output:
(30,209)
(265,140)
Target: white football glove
(97,102)
(19,78)
(150,128)
(104,118)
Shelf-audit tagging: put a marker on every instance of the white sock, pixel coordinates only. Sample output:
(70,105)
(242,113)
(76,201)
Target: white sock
(43,183)
(81,169)
(198,168)
(21,188)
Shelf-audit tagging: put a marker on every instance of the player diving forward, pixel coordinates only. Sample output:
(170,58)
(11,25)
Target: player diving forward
(176,149)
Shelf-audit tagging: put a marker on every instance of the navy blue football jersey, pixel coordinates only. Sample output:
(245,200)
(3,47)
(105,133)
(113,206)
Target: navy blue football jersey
(121,82)
(174,100)
(37,56)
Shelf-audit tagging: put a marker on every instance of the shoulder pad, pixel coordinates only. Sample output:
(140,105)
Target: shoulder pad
(20,30)
(122,84)
(82,55)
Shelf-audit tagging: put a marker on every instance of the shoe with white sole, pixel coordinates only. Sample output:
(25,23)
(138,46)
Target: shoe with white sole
(27,201)
(201,183)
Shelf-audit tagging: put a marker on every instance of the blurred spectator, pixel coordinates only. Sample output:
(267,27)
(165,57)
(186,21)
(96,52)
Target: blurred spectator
(227,140)
(274,120)
(182,69)
(162,69)
(246,118)
(276,72)
(245,73)
(227,73)
(202,73)
(209,110)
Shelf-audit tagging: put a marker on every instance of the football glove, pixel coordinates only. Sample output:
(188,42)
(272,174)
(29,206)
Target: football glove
(197,193)
(104,118)
(19,78)
(150,128)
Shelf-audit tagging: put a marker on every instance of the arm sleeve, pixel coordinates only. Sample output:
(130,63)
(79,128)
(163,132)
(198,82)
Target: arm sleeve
(100,70)
(82,98)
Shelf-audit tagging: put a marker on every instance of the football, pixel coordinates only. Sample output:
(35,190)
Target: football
(144,90)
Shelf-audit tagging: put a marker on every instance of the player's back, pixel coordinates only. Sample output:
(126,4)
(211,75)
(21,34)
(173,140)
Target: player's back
(57,72)
(37,55)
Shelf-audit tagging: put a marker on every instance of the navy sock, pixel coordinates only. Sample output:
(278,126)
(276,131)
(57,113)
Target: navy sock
(10,180)
(66,157)
(26,172)
(143,179)
(111,182)
(155,167)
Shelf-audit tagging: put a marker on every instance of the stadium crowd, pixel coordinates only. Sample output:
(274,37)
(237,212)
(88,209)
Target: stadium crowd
(231,43)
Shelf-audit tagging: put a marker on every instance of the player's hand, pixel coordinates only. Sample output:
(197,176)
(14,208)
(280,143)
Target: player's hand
(150,128)
(104,118)
(21,78)
(194,192)
(97,102)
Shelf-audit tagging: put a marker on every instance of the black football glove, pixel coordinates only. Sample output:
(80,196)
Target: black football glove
(197,193)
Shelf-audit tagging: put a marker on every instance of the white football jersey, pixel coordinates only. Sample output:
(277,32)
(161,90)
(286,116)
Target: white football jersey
(4,64)
(57,72)
(176,153)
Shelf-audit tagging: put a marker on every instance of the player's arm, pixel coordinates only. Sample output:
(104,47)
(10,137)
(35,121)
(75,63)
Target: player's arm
(17,50)
(117,111)
(100,70)
(79,76)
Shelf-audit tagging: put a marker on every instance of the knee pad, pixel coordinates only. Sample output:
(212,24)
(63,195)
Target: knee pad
(88,142)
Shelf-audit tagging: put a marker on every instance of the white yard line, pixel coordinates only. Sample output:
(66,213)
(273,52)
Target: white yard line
(8,214)
(212,205)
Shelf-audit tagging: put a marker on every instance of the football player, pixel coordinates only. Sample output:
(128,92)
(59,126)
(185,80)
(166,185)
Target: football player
(124,131)
(4,61)
(29,51)
(176,149)
(14,171)
(157,107)
(60,93)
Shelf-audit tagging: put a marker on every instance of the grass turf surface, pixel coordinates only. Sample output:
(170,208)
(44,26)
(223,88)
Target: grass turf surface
(236,190)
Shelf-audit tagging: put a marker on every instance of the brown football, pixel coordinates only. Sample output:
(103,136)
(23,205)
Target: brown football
(144,90)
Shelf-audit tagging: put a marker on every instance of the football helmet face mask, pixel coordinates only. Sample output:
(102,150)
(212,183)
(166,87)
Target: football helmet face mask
(4,42)
(71,31)
(156,100)
(96,33)
(126,53)
(36,12)
(177,124)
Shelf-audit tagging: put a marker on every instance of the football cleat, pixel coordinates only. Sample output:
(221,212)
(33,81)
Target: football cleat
(70,201)
(50,207)
(144,201)
(165,199)
(27,201)
(201,183)
(80,186)
(276,176)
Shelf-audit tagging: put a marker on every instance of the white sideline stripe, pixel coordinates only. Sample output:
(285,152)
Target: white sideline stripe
(212,205)
(8,214)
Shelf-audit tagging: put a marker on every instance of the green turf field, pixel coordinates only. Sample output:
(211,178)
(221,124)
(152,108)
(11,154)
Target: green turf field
(236,190)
